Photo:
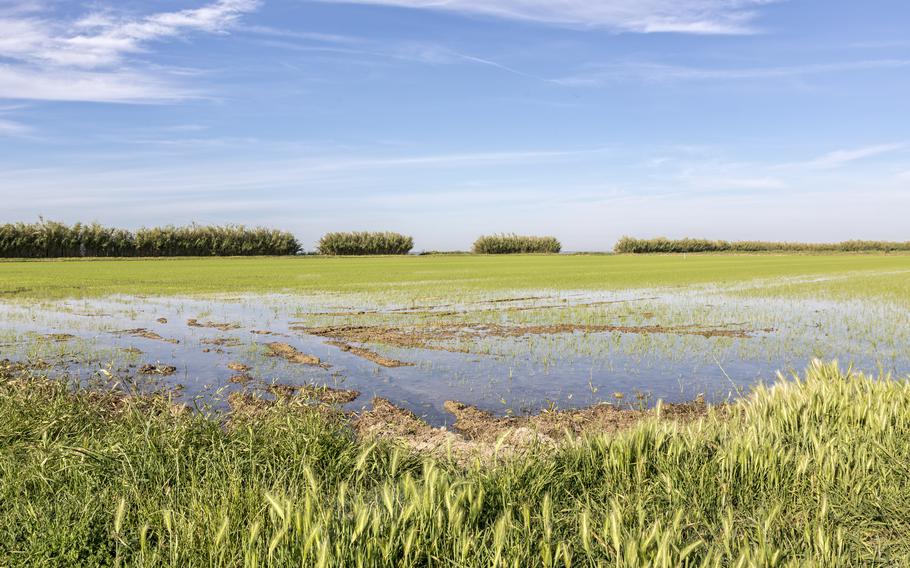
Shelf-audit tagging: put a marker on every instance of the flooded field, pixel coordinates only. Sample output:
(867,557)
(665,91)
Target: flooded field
(509,352)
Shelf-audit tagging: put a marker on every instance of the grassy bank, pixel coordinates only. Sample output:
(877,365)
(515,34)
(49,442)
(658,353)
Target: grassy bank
(414,277)
(806,473)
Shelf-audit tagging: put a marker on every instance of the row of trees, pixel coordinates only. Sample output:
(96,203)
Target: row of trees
(48,239)
(664,245)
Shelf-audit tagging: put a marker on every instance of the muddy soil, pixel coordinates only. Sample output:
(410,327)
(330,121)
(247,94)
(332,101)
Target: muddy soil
(146,334)
(289,353)
(369,355)
(480,435)
(212,324)
(158,369)
(434,336)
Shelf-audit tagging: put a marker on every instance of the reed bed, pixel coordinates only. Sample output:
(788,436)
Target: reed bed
(364,243)
(808,472)
(664,245)
(515,244)
(49,239)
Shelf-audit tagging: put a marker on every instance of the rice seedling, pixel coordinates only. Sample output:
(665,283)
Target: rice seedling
(515,244)
(364,243)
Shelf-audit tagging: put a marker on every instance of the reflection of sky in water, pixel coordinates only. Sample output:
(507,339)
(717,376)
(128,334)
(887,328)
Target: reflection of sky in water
(517,374)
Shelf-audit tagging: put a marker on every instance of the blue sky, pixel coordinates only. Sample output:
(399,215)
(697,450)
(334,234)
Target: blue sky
(585,119)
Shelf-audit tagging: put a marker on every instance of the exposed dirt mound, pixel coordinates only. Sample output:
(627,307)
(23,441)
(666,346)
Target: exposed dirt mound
(370,355)
(146,334)
(435,336)
(158,369)
(222,341)
(479,434)
(59,337)
(291,354)
(321,399)
(212,324)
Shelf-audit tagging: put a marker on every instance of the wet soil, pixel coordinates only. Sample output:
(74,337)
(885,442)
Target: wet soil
(289,353)
(369,355)
(146,334)
(433,336)
(212,324)
(158,369)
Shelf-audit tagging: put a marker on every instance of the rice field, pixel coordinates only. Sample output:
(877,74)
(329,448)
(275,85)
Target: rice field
(456,410)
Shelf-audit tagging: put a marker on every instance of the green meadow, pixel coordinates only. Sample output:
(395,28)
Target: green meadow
(862,275)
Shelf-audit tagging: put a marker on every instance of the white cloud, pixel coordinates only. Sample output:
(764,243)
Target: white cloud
(659,72)
(645,16)
(841,157)
(12,128)
(45,54)
(87,86)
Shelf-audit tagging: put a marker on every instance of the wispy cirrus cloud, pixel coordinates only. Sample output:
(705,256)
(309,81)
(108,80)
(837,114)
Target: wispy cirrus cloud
(45,57)
(643,16)
(599,74)
(840,157)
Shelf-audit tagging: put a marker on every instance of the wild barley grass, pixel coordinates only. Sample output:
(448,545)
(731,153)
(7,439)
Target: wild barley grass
(49,239)
(812,472)
(364,243)
(664,245)
(515,244)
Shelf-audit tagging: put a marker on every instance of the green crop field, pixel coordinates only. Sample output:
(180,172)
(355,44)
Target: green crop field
(882,275)
(609,410)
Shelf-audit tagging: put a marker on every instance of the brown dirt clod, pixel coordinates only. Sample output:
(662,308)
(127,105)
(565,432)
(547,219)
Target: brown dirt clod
(158,369)
(370,355)
(289,353)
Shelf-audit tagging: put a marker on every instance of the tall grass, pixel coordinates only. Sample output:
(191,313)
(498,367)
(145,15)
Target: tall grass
(664,245)
(49,239)
(361,243)
(515,244)
(811,472)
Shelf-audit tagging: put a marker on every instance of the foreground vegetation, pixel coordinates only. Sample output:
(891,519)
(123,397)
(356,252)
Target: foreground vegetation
(516,244)
(364,243)
(664,245)
(48,239)
(812,472)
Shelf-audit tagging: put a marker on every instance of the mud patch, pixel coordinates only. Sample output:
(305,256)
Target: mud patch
(146,334)
(222,342)
(434,336)
(212,324)
(480,435)
(250,405)
(158,369)
(289,353)
(59,337)
(369,355)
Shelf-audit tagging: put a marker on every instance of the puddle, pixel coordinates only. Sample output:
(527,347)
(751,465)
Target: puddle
(508,354)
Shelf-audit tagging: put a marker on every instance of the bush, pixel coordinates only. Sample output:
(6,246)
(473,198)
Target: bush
(49,239)
(362,243)
(515,244)
(664,245)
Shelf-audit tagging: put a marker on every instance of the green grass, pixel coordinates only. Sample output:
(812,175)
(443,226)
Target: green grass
(811,473)
(414,277)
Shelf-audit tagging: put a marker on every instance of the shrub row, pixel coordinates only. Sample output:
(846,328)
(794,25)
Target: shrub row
(664,245)
(512,244)
(358,243)
(48,239)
